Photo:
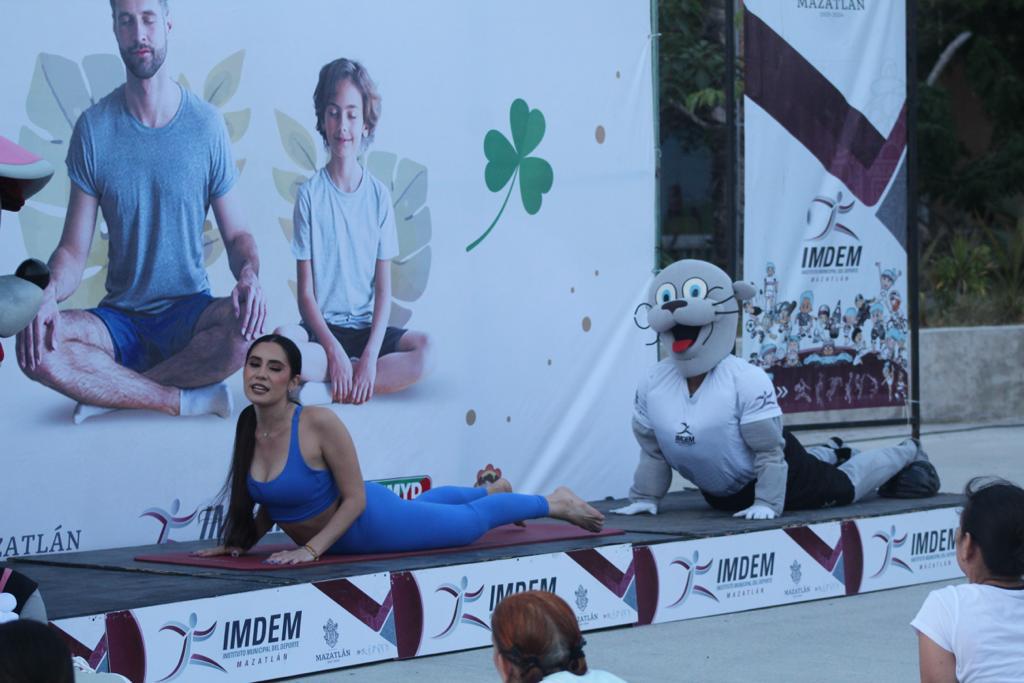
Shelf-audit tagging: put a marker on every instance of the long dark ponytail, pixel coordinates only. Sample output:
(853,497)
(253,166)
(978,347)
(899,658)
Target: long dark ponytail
(240,525)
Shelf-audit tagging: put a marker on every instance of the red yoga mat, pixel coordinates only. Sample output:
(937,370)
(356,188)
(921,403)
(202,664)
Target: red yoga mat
(502,536)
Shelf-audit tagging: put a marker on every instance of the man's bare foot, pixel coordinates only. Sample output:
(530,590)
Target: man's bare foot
(566,505)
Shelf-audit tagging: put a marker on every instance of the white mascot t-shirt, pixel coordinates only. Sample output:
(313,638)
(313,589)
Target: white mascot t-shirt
(700,434)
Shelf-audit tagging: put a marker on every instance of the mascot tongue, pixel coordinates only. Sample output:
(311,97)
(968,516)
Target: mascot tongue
(680,345)
(683,337)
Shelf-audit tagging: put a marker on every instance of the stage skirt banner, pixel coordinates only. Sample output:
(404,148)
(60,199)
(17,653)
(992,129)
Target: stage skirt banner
(445,609)
(768,568)
(260,635)
(825,194)
(516,143)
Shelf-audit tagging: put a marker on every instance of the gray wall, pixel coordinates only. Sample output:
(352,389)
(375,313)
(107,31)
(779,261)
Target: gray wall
(972,374)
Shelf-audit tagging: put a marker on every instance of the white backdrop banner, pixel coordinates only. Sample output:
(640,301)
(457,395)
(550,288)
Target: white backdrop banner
(535,354)
(825,201)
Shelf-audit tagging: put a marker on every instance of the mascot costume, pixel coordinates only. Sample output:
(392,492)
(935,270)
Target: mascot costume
(714,417)
(22,174)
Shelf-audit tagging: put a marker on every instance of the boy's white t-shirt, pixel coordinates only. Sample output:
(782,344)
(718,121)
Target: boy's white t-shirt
(699,435)
(344,234)
(983,626)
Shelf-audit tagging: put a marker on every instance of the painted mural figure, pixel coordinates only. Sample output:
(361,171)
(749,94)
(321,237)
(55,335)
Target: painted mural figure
(771,287)
(153,158)
(344,240)
(737,453)
(886,279)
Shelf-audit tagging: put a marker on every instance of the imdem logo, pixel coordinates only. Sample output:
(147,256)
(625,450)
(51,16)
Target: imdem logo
(892,543)
(210,520)
(823,216)
(190,635)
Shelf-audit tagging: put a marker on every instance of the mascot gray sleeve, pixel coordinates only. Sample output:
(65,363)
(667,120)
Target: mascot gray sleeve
(698,305)
(22,174)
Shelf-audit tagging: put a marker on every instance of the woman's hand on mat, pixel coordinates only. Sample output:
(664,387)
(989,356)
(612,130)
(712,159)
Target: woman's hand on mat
(339,373)
(364,380)
(757,512)
(296,556)
(219,550)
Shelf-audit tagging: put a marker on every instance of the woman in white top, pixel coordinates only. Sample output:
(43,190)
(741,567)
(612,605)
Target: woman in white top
(536,638)
(974,632)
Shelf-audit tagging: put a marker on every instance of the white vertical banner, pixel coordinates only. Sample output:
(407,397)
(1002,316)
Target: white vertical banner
(825,187)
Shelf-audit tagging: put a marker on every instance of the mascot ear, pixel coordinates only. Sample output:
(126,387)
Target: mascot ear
(744,290)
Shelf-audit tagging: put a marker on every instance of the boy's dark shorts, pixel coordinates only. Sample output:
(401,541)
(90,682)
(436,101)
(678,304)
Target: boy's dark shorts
(353,339)
(142,340)
(810,483)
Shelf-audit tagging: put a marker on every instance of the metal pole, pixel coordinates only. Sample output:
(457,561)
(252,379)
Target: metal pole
(913,246)
(655,36)
(732,224)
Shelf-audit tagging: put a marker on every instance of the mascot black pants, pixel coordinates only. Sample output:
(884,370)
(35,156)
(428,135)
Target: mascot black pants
(810,483)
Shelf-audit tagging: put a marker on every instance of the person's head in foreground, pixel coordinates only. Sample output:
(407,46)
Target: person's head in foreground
(972,632)
(535,634)
(990,541)
(31,652)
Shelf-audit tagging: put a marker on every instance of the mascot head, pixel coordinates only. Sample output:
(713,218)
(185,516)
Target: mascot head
(699,306)
(22,174)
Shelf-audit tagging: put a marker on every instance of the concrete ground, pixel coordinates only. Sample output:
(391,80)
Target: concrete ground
(861,638)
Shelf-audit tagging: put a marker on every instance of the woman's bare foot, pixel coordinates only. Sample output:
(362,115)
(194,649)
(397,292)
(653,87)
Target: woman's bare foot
(499,486)
(564,504)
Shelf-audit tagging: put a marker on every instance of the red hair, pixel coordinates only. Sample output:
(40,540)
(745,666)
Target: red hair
(537,633)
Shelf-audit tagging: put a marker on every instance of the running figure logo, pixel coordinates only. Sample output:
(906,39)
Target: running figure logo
(458,614)
(693,569)
(169,520)
(890,559)
(684,436)
(189,636)
(835,208)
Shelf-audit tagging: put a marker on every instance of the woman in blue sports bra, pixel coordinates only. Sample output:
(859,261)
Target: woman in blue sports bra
(300,465)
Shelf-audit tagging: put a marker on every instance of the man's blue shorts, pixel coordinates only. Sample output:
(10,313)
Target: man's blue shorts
(142,340)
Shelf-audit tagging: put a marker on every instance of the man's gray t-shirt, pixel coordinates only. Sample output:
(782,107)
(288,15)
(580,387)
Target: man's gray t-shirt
(344,234)
(154,186)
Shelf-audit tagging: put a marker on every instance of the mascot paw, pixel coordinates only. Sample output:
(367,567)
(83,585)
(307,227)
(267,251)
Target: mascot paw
(757,512)
(636,508)
(8,604)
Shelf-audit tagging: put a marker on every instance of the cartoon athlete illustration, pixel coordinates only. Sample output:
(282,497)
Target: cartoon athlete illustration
(771,287)
(736,451)
(804,318)
(886,278)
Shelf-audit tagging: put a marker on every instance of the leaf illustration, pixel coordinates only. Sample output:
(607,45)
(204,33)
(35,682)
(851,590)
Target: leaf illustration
(506,160)
(527,127)
(237,123)
(91,291)
(407,182)
(502,160)
(213,246)
(57,190)
(298,143)
(288,184)
(535,178)
(288,228)
(222,83)
(40,231)
(183,81)
(240,165)
(400,315)
(104,73)
(409,277)
(57,95)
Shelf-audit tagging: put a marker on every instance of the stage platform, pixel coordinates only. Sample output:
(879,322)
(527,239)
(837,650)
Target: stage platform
(155,622)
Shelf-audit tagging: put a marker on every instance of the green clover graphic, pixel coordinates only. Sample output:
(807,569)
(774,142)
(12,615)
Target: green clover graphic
(507,159)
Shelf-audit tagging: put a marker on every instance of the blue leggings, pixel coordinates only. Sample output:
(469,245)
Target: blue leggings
(445,517)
